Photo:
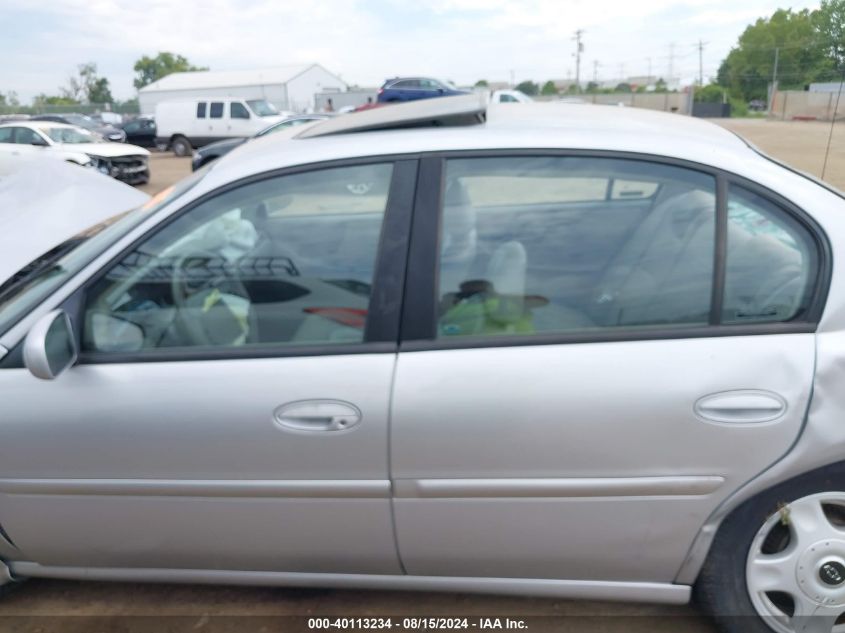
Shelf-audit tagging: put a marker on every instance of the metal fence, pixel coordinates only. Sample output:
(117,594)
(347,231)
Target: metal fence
(86,108)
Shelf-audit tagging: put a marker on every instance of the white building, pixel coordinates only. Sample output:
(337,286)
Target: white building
(286,87)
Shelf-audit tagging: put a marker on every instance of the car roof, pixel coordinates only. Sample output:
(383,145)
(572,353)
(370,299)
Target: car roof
(41,125)
(517,126)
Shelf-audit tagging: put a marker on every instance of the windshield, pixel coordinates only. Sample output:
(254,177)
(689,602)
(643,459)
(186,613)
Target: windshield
(262,107)
(35,281)
(284,125)
(80,120)
(72,135)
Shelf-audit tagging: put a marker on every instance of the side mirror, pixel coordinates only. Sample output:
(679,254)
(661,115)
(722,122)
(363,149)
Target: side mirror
(38,142)
(50,348)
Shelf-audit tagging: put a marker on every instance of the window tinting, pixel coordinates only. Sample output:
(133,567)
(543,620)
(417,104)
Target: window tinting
(201,110)
(6,134)
(216,110)
(238,110)
(285,261)
(25,136)
(550,244)
(771,262)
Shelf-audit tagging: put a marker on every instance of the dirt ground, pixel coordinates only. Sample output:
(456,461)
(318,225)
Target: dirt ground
(799,143)
(49,605)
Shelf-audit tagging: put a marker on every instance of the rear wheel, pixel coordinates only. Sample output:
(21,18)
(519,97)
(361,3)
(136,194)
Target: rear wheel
(778,562)
(181,146)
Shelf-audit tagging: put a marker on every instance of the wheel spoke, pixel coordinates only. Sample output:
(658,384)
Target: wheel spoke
(810,618)
(808,521)
(772,572)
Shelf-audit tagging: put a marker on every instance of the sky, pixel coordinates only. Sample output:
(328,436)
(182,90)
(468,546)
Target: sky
(366,41)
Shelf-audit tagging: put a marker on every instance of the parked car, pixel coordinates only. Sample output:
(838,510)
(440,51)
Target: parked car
(140,131)
(185,125)
(44,140)
(413,88)
(205,155)
(592,353)
(106,130)
(47,205)
(510,96)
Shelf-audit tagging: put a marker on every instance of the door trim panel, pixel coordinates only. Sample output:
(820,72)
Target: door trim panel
(650,592)
(683,486)
(316,488)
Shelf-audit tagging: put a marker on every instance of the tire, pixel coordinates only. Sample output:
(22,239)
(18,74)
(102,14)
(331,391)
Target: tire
(722,589)
(181,146)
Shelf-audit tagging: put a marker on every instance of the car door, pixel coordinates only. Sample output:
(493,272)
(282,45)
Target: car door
(230,406)
(239,122)
(7,150)
(572,402)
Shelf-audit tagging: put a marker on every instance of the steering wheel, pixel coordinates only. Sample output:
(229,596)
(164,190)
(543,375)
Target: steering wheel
(199,280)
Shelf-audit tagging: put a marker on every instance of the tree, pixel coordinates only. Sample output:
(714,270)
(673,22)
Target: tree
(748,68)
(660,85)
(482,83)
(623,87)
(549,88)
(43,99)
(712,93)
(528,87)
(99,91)
(592,86)
(9,99)
(830,24)
(152,69)
(87,86)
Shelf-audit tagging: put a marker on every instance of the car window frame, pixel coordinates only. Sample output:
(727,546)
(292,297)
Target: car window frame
(381,333)
(420,313)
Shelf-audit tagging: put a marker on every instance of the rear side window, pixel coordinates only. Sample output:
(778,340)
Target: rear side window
(216,110)
(771,263)
(237,110)
(201,110)
(6,134)
(534,245)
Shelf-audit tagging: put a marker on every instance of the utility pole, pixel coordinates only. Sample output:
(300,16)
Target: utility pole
(512,78)
(579,48)
(595,71)
(621,73)
(649,68)
(701,46)
(671,62)
(774,81)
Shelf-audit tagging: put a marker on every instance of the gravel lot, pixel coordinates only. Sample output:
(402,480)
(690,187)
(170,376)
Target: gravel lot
(46,605)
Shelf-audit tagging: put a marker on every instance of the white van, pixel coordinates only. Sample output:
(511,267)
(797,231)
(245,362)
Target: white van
(185,124)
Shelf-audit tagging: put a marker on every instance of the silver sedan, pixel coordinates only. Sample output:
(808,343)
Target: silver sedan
(572,351)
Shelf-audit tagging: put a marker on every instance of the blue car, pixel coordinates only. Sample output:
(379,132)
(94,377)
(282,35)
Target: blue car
(411,88)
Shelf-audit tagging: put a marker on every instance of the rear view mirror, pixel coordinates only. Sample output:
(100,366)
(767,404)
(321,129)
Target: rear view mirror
(50,348)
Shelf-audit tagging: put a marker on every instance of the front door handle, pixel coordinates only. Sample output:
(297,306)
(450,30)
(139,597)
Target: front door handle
(741,407)
(317,415)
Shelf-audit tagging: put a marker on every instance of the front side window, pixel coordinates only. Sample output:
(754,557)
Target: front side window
(237,110)
(215,111)
(201,110)
(7,135)
(26,136)
(285,261)
(771,263)
(533,245)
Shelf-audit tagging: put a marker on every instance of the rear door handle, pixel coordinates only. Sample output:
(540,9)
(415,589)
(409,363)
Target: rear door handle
(741,407)
(317,415)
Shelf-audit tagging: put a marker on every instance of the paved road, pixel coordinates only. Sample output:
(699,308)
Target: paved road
(44,606)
